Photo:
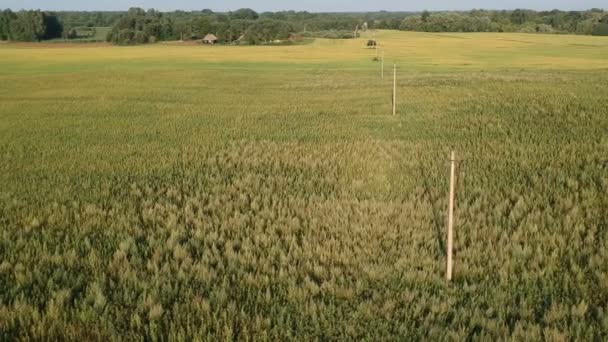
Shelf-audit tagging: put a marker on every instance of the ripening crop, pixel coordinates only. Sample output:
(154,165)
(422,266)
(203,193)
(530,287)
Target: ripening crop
(266,193)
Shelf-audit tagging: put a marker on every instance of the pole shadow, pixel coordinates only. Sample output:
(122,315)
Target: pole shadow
(436,212)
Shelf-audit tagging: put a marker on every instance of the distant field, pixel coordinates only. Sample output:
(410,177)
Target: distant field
(259,193)
(101,33)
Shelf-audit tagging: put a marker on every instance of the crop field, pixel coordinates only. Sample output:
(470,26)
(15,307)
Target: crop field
(180,192)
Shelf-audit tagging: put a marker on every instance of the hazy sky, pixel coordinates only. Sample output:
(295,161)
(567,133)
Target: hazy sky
(308,5)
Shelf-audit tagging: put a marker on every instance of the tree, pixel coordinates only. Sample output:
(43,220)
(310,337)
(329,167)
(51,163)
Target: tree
(203,26)
(267,30)
(600,29)
(544,28)
(69,33)
(520,16)
(167,29)
(6,17)
(425,16)
(140,37)
(28,26)
(139,27)
(412,23)
(125,37)
(244,13)
(52,26)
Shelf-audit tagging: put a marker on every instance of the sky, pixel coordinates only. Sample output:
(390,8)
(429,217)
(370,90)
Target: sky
(303,5)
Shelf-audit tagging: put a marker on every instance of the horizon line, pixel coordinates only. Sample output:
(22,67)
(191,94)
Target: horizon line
(302,10)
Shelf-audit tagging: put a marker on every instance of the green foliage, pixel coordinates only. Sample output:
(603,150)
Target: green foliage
(600,30)
(229,27)
(331,34)
(52,27)
(6,18)
(89,19)
(425,16)
(244,14)
(70,33)
(504,21)
(29,26)
(448,22)
(247,26)
(520,16)
(140,27)
(268,30)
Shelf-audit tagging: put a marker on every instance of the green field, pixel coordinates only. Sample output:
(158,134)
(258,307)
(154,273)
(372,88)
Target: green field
(267,193)
(101,33)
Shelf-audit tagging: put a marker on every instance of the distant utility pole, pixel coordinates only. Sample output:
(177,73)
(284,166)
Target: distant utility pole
(450,263)
(375,43)
(394,89)
(382,67)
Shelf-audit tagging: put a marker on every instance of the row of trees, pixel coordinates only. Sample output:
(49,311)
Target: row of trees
(244,25)
(29,25)
(138,26)
(587,22)
(89,19)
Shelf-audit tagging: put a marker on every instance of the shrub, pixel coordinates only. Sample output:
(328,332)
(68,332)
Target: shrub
(544,28)
(140,37)
(331,34)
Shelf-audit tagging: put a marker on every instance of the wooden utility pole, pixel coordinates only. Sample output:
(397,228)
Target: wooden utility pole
(450,264)
(382,67)
(375,44)
(394,89)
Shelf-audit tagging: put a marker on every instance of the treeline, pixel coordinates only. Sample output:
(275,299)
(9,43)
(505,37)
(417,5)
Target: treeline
(138,26)
(246,26)
(594,21)
(29,26)
(89,19)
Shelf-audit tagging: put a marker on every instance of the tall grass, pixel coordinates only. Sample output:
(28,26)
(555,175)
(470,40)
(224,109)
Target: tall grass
(266,193)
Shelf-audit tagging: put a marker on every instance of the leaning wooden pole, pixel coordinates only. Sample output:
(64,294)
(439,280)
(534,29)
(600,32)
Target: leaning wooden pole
(394,89)
(450,264)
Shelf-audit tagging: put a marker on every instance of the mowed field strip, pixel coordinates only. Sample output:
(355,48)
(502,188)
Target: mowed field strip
(183,191)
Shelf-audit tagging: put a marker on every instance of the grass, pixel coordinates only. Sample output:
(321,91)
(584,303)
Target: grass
(266,193)
(101,33)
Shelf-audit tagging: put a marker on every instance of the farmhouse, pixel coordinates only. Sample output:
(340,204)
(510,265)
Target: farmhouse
(210,39)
